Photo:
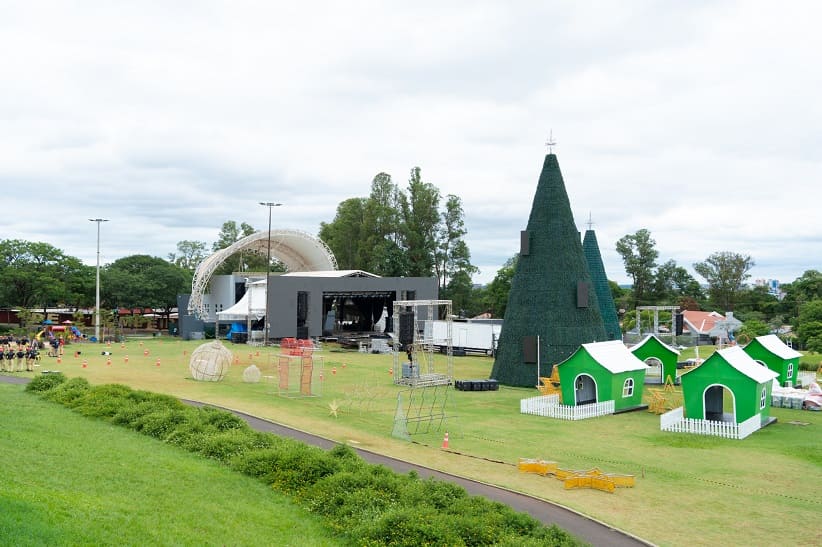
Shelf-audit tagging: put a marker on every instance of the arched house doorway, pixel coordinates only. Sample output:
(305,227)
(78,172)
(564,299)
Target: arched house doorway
(719,403)
(654,372)
(585,390)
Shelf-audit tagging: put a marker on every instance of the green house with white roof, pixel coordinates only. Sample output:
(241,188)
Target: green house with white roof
(602,371)
(728,387)
(656,353)
(770,351)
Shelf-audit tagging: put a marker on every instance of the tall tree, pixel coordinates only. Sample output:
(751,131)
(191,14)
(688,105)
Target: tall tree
(639,255)
(452,257)
(421,221)
(810,325)
(189,254)
(242,261)
(672,282)
(344,234)
(382,229)
(496,293)
(725,273)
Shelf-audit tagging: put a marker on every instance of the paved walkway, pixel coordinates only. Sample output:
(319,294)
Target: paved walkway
(587,529)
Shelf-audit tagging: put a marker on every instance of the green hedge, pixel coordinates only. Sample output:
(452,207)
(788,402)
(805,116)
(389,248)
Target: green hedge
(365,504)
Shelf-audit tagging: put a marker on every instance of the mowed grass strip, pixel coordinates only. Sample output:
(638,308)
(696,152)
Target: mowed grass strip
(69,480)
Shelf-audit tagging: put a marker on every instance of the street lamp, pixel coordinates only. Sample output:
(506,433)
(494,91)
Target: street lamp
(97,292)
(268,204)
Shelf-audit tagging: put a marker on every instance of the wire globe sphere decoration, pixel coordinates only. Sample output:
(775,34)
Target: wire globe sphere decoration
(210,362)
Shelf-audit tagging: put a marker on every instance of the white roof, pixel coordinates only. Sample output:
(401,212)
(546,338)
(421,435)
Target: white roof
(772,343)
(331,273)
(255,296)
(648,337)
(744,363)
(614,356)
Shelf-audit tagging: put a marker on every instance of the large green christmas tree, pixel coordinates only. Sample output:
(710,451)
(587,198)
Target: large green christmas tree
(607,309)
(551,296)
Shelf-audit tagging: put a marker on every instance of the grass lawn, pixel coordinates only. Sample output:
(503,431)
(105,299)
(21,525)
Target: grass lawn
(68,480)
(691,490)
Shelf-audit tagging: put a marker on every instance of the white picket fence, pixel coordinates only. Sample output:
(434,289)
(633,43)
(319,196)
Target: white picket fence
(548,405)
(676,422)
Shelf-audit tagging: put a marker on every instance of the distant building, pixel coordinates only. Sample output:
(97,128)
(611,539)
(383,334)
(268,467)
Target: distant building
(772,285)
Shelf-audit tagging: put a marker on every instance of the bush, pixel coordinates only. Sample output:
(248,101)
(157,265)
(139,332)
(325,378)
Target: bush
(68,392)
(290,467)
(409,527)
(131,414)
(222,420)
(45,382)
(225,445)
(103,401)
(160,423)
(350,500)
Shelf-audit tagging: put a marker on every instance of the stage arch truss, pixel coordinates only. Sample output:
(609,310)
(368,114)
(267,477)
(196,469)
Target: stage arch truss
(296,250)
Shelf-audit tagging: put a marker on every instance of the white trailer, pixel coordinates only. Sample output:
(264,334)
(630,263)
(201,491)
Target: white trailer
(470,336)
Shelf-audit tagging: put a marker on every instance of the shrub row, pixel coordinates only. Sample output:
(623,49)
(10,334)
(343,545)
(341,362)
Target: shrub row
(364,503)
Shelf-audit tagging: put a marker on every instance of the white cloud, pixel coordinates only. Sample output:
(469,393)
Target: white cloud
(698,121)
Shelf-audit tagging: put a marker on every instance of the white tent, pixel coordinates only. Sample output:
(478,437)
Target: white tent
(252,302)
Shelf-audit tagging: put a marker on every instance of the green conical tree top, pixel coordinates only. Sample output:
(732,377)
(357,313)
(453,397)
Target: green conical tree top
(551,292)
(606,300)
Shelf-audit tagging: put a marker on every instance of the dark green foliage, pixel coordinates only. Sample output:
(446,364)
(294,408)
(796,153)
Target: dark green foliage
(103,401)
(438,494)
(222,420)
(288,467)
(607,309)
(160,423)
(225,445)
(410,527)
(543,297)
(350,499)
(45,382)
(68,392)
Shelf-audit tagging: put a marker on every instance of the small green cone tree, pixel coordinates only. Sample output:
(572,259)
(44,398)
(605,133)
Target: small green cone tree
(607,309)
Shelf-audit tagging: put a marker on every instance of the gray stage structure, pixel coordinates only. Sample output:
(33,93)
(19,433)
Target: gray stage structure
(301,302)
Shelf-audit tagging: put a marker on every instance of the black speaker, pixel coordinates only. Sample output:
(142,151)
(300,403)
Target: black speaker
(302,307)
(582,294)
(302,333)
(406,327)
(529,349)
(524,243)
(679,323)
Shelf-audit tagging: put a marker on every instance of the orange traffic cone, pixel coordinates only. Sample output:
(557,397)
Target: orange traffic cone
(158,361)
(445,441)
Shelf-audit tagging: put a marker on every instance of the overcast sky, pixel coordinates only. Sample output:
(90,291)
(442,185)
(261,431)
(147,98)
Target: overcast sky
(699,121)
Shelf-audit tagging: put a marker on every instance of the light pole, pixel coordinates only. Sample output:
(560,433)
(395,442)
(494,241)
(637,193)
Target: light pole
(97,292)
(268,204)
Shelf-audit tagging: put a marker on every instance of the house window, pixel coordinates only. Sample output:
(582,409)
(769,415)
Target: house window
(790,372)
(628,387)
(762,399)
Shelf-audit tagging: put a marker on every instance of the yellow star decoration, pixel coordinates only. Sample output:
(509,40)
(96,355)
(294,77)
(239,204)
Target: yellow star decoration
(334,407)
